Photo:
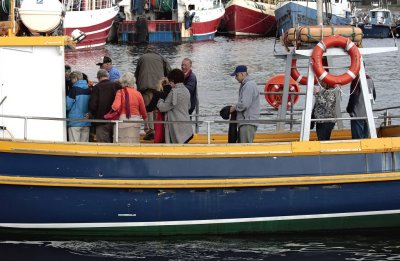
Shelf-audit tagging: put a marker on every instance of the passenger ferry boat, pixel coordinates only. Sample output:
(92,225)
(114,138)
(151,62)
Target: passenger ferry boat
(284,182)
(169,21)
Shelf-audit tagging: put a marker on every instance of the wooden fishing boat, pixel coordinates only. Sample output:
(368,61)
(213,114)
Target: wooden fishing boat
(284,182)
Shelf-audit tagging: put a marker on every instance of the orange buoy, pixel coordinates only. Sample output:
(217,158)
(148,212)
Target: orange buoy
(317,60)
(275,84)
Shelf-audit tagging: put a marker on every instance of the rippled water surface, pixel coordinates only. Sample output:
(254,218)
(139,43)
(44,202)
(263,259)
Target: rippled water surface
(354,247)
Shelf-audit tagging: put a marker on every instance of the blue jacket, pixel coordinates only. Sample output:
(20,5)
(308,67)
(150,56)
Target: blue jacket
(114,74)
(78,104)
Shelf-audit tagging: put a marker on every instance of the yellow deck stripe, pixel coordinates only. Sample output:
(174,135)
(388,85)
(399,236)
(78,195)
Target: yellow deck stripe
(203,150)
(199,183)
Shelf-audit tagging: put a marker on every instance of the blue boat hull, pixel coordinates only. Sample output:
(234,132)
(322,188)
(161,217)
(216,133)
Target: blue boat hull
(292,15)
(375,30)
(148,195)
(70,209)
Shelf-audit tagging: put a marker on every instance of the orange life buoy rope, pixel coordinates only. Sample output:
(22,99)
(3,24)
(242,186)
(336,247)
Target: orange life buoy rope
(317,64)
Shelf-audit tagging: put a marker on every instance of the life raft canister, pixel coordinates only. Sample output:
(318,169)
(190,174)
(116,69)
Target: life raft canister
(317,63)
(275,84)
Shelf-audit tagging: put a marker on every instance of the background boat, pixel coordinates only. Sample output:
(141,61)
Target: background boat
(169,21)
(92,18)
(290,14)
(247,17)
(378,23)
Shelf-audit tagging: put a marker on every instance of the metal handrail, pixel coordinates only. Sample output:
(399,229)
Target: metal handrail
(387,119)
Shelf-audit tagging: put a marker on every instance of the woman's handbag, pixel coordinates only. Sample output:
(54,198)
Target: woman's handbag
(112,115)
(159,128)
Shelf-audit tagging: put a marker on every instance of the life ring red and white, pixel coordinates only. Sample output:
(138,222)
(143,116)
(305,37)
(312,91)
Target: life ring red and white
(296,75)
(336,41)
(275,84)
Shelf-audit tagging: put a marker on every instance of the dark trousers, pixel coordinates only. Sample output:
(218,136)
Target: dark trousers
(324,130)
(359,129)
(104,133)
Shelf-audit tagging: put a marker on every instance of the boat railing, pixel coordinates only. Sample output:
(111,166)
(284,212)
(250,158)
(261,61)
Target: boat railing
(209,122)
(82,5)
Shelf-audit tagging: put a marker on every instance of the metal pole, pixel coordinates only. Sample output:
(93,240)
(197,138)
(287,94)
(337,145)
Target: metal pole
(208,132)
(25,128)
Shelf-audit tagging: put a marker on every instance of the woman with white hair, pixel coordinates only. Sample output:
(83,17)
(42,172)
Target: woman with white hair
(129,102)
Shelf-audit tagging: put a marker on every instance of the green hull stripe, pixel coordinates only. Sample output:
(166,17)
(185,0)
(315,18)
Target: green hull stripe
(274,226)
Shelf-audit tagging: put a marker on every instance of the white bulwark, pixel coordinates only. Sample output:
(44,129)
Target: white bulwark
(32,83)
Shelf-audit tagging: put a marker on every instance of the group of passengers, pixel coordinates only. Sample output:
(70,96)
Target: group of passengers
(154,93)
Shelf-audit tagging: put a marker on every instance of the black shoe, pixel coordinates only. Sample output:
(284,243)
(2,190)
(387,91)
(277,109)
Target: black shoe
(149,135)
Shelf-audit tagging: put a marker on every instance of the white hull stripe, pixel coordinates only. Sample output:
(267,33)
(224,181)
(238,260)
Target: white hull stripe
(98,31)
(192,222)
(213,32)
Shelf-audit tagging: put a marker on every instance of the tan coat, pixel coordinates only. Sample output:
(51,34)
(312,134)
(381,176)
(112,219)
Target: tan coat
(176,107)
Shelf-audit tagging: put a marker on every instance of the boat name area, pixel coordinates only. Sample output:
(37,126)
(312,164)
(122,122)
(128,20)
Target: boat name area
(261,7)
(368,26)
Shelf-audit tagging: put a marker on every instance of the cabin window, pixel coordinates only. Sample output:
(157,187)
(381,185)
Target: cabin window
(191,7)
(373,14)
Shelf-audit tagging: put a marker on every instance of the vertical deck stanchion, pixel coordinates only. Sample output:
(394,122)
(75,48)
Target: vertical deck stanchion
(367,101)
(25,128)
(208,132)
(283,107)
(116,131)
(306,122)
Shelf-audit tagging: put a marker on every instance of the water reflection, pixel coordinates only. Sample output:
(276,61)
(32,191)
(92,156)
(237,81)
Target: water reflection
(289,247)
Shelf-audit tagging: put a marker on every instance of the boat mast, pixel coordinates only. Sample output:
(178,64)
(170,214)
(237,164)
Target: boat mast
(320,20)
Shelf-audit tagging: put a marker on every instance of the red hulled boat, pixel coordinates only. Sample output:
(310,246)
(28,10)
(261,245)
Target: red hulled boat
(246,17)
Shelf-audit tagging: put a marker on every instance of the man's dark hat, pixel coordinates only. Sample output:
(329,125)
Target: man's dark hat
(225,112)
(104,59)
(239,69)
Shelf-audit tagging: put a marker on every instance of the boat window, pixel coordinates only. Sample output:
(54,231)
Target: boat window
(191,7)
(373,14)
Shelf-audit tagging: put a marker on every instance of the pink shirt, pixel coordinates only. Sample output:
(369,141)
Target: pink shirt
(136,102)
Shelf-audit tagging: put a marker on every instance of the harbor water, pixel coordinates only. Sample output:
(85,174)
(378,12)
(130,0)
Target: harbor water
(213,61)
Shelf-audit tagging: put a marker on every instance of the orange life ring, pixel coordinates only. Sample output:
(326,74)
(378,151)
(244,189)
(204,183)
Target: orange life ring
(295,74)
(317,64)
(275,84)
